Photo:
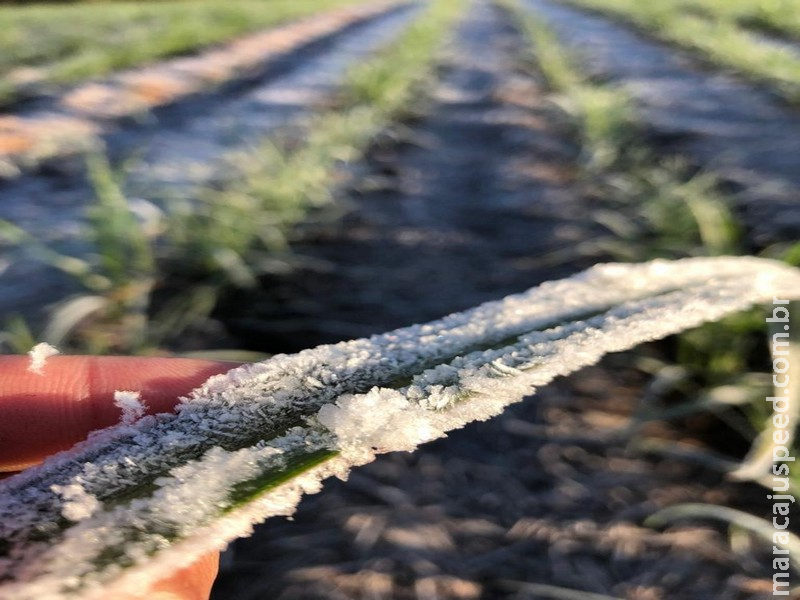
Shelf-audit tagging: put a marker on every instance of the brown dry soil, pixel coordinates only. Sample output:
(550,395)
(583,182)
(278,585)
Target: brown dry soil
(475,198)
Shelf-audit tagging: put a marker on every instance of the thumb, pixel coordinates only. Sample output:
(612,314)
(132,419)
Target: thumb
(44,413)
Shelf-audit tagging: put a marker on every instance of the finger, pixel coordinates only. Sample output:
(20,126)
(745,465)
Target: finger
(44,413)
(192,583)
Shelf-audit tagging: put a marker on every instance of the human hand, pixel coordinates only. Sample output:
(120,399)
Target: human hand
(41,414)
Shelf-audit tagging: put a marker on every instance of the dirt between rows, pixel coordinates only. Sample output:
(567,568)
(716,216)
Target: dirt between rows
(473,199)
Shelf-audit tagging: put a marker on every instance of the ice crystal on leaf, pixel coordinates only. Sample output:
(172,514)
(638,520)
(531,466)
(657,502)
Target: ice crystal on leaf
(138,500)
(131,405)
(382,419)
(39,355)
(76,503)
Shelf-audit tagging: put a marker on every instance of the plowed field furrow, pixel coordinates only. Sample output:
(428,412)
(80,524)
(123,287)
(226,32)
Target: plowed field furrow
(734,128)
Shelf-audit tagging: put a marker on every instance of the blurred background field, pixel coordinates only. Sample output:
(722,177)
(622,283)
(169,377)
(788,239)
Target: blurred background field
(44,43)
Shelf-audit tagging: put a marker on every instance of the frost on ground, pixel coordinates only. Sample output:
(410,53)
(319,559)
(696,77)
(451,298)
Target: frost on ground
(39,355)
(138,500)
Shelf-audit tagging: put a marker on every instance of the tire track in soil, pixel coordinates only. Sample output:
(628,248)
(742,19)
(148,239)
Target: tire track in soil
(463,206)
(179,149)
(742,133)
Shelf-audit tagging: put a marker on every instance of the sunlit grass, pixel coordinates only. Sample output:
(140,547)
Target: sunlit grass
(229,235)
(228,231)
(776,16)
(717,31)
(66,43)
(601,114)
(656,207)
(117,277)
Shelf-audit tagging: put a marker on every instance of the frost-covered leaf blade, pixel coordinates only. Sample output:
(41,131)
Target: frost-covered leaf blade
(140,499)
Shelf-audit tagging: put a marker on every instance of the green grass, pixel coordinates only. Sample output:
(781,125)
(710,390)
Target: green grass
(602,115)
(67,43)
(718,373)
(720,32)
(780,17)
(656,207)
(653,205)
(117,278)
(146,284)
(228,232)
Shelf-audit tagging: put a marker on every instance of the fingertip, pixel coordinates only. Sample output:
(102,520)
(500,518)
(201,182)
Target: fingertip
(191,583)
(44,413)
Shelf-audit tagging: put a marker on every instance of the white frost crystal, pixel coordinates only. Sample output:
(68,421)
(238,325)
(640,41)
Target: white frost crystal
(77,503)
(382,419)
(131,405)
(39,355)
(156,492)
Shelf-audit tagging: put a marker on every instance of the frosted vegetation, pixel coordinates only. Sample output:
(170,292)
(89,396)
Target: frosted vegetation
(725,32)
(138,500)
(89,39)
(39,355)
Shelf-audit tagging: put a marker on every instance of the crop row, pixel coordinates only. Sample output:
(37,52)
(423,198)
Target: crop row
(758,39)
(45,44)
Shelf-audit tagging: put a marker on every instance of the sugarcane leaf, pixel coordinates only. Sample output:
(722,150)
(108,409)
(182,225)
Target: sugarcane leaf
(136,501)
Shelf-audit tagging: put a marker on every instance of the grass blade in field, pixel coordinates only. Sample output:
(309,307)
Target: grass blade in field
(138,500)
